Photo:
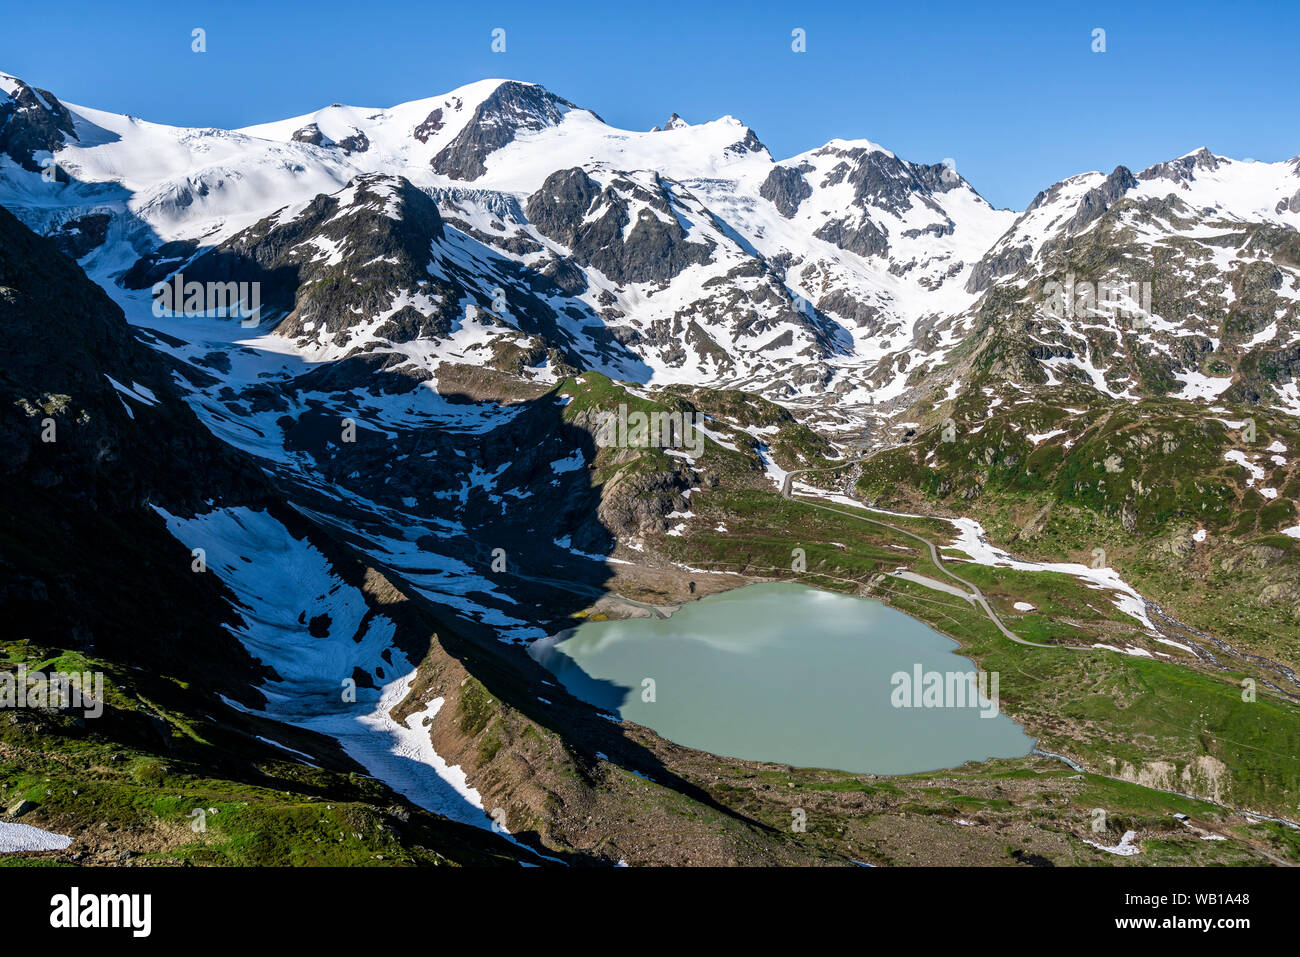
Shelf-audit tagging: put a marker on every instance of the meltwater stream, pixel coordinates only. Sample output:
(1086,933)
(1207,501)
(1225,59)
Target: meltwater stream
(786,673)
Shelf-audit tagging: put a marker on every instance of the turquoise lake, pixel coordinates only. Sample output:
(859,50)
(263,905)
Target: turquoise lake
(786,673)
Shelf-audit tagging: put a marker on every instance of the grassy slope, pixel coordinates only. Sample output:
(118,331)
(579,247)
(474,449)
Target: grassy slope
(130,780)
(1170,479)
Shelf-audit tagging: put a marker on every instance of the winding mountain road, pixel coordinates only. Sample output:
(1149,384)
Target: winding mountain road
(975,594)
(1155,612)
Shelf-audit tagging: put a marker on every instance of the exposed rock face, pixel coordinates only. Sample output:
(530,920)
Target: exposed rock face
(632,505)
(371,266)
(1180,543)
(511,108)
(749,143)
(159,264)
(384,237)
(409,324)
(432,124)
(1258,556)
(1098,200)
(33,121)
(558,207)
(1183,169)
(573,209)
(1128,517)
(1204,775)
(309,134)
(865,239)
(845,305)
(566,277)
(79,236)
(1005,262)
(933,229)
(1280,593)
(357,142)
(885,181)
(785,188)
(880,182)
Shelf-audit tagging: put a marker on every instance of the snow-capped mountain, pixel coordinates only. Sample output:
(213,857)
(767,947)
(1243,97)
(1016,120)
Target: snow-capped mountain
(1181,280)
(839,281)
(684,254)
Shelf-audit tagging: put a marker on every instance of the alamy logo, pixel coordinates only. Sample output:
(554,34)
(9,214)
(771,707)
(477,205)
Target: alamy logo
(1087,300)
(945,689)
(195,300)
(74,909)
(660,429)
(35,689)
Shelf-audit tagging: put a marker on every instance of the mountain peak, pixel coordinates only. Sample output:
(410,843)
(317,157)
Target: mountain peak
(511,108)
(31,121)
(1183,169)
(675,122)
(842,146)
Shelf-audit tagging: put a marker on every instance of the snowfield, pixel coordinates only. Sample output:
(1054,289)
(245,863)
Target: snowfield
(269,570)
(25,837)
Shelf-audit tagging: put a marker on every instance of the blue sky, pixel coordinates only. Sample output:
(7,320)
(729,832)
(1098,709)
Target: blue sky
(1011,92)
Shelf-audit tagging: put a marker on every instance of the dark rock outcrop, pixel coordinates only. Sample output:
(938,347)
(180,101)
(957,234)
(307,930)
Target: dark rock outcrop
(1005,262)
(785,188)
(432,124)
(385,237)
(1097,201)
(33,121)
(881,181)
(865,238)
(77,237)
(572,208)
(510,109)
(1183,169)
